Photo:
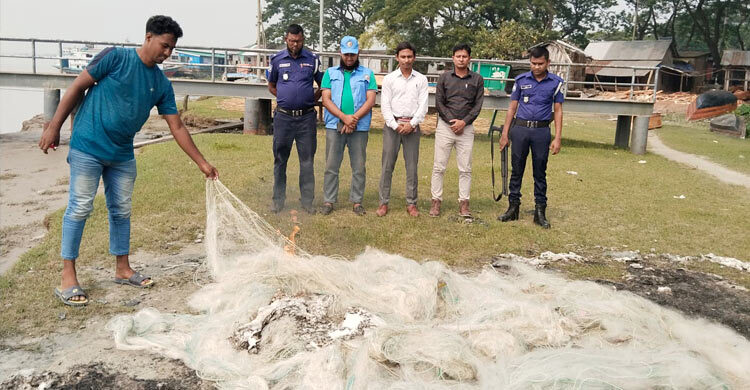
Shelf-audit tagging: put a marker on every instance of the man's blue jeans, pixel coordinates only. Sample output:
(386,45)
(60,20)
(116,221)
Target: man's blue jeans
(119,179)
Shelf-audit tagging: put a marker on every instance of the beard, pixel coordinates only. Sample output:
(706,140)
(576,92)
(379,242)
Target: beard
(349,68)
(293,52)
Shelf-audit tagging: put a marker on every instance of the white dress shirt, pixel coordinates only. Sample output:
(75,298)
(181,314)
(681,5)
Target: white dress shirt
(404,97)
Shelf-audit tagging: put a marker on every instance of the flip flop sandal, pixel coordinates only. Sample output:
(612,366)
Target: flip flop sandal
(70,292)
(135,281)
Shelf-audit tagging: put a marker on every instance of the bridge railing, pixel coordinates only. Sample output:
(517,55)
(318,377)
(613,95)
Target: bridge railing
(217,69)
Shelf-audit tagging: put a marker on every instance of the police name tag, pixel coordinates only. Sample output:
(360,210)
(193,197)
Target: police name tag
(285,65)
(304,64)
(527,86)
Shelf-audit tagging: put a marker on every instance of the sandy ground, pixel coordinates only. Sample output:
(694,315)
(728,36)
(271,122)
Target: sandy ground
(91,346)
(32,185)
(718,171)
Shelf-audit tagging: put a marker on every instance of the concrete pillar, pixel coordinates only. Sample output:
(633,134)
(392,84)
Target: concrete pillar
(257,116)
(51,101)
(265,123)
(622,132)
(639,135)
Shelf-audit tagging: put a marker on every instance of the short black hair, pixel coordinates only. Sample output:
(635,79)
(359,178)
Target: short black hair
(462,46)
(295,29)
(539,51)
(160,24)
(405,45)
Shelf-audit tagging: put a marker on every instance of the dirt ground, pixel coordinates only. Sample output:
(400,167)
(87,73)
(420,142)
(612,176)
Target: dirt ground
(695,294)
(84,356)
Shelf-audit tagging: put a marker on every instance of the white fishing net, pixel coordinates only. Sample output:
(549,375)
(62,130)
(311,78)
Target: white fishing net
(275,317)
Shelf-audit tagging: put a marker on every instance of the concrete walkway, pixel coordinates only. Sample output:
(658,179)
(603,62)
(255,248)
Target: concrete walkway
(718,171)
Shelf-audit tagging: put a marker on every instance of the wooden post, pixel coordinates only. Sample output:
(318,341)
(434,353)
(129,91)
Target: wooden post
(726,79)
(680,82)
(185,102)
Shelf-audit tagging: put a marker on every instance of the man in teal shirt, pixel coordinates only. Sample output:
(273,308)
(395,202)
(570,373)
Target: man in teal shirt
(123,85)
(348,97)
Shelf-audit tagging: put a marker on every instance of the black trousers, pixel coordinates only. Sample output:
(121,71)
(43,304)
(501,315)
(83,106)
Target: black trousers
(288,130)
(523,140)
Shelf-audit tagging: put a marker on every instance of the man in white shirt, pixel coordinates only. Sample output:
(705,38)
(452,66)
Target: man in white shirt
(403,103)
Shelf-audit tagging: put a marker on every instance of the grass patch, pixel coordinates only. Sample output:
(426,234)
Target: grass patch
(612,202)
(734,153)
(7,176)
(610,271)
(211,107)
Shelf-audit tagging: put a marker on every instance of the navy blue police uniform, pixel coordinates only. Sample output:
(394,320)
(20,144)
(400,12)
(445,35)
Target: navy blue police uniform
(531,131)
(294,121)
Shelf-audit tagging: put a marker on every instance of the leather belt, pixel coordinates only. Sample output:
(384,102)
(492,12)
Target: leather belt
(532,124)
(295,112)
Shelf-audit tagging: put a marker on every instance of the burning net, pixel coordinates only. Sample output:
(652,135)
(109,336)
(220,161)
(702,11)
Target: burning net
(276,317)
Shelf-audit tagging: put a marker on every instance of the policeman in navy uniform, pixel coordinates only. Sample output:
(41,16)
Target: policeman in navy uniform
(290,79)
(532,100)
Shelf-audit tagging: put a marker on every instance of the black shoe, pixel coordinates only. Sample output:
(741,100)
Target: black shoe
(277,207)
(309,209)
(539,217)
(511,214)
(326,209)
(359,210)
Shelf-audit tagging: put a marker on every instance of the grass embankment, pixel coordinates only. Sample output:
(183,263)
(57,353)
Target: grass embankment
(613,201)
(214,107)
(696,138)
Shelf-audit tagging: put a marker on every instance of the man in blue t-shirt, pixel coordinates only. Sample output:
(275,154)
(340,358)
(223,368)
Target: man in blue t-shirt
(348,96)
(123,85)
(535,95)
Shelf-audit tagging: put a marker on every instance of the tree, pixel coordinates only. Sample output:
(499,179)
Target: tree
(574,18)
(710,20)
(509,41)
(340,18)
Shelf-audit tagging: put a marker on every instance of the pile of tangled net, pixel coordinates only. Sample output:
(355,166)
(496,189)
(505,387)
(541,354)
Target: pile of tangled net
(275,317)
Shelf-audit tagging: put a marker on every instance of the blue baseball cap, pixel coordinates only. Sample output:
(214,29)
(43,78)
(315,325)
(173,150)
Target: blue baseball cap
(349,45)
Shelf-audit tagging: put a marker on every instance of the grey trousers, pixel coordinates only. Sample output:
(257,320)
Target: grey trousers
(392,142)
(356,142)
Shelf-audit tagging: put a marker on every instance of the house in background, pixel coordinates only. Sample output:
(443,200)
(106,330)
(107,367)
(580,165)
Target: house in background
(660,54)
(699,64)
(736,66)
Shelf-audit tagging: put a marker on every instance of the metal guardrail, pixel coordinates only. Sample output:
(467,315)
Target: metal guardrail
(264,54)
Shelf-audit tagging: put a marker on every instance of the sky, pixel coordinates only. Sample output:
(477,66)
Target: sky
(223,23)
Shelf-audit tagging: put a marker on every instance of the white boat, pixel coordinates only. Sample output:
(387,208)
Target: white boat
(75,60)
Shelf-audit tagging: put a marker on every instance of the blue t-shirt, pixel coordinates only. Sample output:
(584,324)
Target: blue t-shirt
(117,106)
(294,79)
(535,98)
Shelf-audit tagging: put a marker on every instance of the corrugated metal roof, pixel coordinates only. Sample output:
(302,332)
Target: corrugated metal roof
(595,67)
(628,50)
(735,58)
(564,44)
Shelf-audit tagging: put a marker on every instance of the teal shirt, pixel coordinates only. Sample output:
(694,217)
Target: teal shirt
(119,103)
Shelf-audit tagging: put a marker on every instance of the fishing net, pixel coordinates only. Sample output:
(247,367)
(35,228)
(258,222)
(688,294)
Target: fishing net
(276,317)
